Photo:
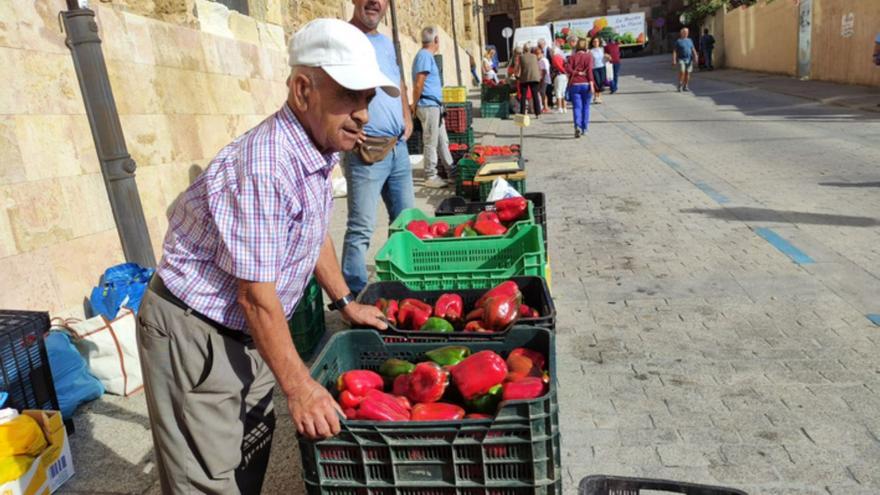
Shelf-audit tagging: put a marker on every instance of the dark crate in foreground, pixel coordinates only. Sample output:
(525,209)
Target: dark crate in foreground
(24,364)
(515,452)
(620,485)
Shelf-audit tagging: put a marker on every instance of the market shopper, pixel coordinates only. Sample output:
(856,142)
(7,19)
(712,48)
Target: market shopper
(489,73)
(546,81)
(598,54)
(707,46)
(380,167)
(427,106)
(560,79)
(684,55)
(242,243)
(529,80)
(612,50)
(582,84)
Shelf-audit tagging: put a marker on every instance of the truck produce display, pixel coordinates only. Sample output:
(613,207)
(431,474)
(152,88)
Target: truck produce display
(450,384)
(495,311)
(486,223)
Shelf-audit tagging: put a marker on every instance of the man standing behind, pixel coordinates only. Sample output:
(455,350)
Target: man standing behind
(612,49)
(427,104)
(707,45)
(529,77)
(381,165)
(684,56)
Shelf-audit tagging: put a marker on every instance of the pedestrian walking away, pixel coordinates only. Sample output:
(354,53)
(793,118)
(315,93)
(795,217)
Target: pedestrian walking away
(684,55)
(381,168)
(612,49)
(582,84)
(242,243)
(428,106)
(544,64)
(560,80)
(599,59)
(530,78)
(707,46)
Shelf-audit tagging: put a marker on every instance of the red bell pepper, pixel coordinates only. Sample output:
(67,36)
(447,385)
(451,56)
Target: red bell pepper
(500,311)
(511,209)
(534,356)
(413,313)
(350,413)
(379,406)
(439,229)
(359,382)
(389,308)
(526,311)
(460,228)
(507,288)
(488,216)
(449,306)
(477,374)
(475,326)
(519,366)
(488,227)
(529,387)
(477,416)
(420,228)
(427,382)
(437,411)
(400,387)
(348,400)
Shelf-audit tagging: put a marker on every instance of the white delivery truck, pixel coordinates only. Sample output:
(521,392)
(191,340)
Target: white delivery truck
(628,29)
(531,35)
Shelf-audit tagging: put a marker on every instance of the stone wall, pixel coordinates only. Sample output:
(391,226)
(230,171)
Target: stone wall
(535,12)
(845,57)
(762,37)
(184,88)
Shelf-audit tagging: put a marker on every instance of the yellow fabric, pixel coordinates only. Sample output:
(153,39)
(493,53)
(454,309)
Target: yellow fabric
(14,467)
(21,436)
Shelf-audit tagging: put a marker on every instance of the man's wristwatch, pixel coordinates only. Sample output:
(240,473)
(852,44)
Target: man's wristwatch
(340,303)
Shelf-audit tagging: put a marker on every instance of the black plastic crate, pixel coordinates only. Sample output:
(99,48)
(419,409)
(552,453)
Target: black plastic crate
(414,144)
(494,94)
(457,205)
(515,452)
(534,290)
(620,485)
(24,365)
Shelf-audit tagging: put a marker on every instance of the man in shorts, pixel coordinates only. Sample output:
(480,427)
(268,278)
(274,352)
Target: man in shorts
(684,55)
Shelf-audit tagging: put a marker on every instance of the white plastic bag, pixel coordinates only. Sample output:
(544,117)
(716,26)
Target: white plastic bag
(337,179)
(501,189)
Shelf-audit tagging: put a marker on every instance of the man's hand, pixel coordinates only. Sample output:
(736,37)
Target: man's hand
(363,314)
(313,410)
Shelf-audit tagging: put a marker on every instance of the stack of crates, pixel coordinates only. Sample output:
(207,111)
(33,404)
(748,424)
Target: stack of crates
(495,101)
(459,116)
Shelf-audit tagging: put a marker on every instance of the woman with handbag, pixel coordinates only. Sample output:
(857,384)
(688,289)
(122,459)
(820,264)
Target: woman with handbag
(598,54)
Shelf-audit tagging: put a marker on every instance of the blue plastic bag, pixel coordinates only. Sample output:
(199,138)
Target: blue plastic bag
(74,385)
(120,285)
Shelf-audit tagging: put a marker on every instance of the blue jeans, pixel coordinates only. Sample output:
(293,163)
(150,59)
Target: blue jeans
(391,179)
(614,79)
(580,101)
(709,59)
(599,77)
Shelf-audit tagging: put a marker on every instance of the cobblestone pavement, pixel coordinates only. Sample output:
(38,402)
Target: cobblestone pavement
(715,262)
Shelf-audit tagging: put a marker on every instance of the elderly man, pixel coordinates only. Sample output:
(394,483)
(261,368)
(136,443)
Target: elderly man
(427,104)
(242,243)
(529,78)
(382,166)
(684,55)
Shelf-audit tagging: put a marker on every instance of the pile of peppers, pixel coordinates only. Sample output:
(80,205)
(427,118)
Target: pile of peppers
(496,310)
(449,385)
(485,223)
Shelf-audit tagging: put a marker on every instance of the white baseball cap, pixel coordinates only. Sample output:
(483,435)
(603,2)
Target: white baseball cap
(343,51)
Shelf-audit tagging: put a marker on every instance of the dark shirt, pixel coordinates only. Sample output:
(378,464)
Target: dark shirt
(707,42)
(613,51)
(529,70)
(580,68)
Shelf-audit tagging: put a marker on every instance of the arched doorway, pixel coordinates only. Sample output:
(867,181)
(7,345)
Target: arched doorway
(496,24)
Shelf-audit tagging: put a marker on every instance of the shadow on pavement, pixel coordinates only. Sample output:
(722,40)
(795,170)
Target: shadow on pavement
(781,216)
(850,184)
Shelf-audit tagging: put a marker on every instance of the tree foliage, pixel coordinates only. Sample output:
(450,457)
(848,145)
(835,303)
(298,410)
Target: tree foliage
(698,10)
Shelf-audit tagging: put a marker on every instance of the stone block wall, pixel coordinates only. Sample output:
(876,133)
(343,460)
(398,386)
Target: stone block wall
(188,76)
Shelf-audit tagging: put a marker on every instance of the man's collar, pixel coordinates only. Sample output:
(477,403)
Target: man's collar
(312,159)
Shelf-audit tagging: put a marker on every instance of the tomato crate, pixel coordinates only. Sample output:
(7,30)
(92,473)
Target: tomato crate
(447,264)
(517,451)
(458,205)
(466,137)
(486,187)
(535,293)
(410,214)
(458,152)
(455,94)
(612,485)
(24,365)
(500,110)
(494,94)
(307,325)
(459,116)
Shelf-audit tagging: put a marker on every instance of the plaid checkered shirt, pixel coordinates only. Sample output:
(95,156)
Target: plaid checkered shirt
(259,212)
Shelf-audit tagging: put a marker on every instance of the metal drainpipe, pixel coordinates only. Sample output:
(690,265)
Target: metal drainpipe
(117,166)
(455,43)
(395,33)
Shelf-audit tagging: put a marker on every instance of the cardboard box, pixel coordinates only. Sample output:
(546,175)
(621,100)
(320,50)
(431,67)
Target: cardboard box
(54,465)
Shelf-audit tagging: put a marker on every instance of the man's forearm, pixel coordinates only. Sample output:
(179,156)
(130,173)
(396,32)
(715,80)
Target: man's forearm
(268,327)
(329,273)
(404,99)
(418,87)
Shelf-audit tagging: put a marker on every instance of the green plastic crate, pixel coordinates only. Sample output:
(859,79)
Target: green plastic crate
(500,110)
(463,138)
(516,452)
(468,108)
(486,187)
(464,181)
(408,215)
(307,325)
(494,94)
(450,264)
